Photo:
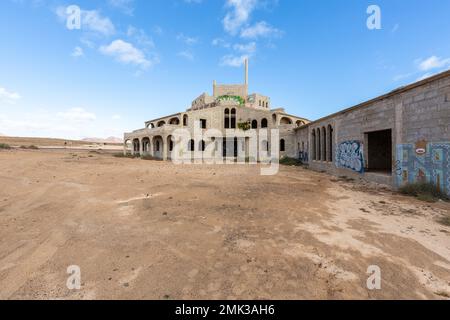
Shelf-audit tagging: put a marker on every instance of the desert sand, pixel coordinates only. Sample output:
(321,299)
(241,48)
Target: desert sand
(154,230)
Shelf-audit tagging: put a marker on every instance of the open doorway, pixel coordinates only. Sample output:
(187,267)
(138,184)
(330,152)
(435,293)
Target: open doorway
(379,151)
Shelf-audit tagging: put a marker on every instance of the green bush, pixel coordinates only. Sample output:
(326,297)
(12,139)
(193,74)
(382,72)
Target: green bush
(424,191)
(4,146)
(128,155)
(32,147)
(287,161)
(445,220)
(149,157)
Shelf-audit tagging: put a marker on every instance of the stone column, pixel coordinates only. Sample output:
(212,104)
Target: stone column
(164,148)
(141,147)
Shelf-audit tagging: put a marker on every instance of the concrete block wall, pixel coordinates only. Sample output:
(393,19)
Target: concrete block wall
(419,117)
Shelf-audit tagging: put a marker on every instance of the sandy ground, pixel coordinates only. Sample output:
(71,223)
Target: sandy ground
(153,230)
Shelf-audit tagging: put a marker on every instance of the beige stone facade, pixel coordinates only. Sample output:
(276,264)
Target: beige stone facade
(229,108)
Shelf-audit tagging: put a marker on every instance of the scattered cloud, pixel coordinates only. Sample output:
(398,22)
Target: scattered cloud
(430,66)
(231,60)
(77,52)
(126,6)
(238,15)
(218,42)
(8,96)
(433,62)
(126,53)
(141,37)
(91,20)
(190,41)
(186,54)
(261,30)
(158,30)
(246,48)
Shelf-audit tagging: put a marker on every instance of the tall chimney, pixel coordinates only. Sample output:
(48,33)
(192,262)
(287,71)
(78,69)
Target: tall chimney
(246,71)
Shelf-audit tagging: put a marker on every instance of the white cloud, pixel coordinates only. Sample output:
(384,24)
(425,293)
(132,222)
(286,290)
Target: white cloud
(126,53)
(231,60)
(126,6)
(91,20)
(433,62)
(77,52)
(218,42)
(77,115)
(261,29)
(246,48)
(188,55)
(190,41)
(238,15)
(8,96)
(116,117)
(140,36)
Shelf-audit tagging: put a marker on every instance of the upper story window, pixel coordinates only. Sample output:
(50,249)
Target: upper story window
(233,119)
(203,123)
(227,119)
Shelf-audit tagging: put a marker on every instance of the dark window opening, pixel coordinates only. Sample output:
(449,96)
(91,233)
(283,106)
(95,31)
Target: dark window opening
(203,123)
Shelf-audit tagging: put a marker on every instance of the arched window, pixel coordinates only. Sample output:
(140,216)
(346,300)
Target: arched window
(324,144)
(330,143)
(227,119)
(174,121)
(233,118)
(285,120)
(274,119)
(158,147)
(282,145)
(202,145)
(185,120)
(264,123)
(313,141)
(191,145)
(254,124)
(319,146)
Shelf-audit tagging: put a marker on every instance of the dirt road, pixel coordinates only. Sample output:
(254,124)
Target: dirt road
(153,230)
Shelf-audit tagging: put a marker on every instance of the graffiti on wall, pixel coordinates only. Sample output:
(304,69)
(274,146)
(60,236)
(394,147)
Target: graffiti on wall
(303,157)
(424,162)
(350,155)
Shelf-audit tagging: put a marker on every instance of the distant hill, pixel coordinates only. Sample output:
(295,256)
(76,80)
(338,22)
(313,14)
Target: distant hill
(107,140)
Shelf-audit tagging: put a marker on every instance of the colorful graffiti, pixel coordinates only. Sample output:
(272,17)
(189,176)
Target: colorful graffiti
(424,162)
(350,155)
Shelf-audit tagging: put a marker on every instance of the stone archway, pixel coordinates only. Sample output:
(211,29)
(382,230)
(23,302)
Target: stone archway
(158,147)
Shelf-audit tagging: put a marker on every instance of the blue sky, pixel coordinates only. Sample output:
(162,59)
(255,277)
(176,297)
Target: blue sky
(134,60)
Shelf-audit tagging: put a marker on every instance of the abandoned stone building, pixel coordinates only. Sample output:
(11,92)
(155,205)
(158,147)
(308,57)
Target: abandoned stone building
(230,107)
(397,138)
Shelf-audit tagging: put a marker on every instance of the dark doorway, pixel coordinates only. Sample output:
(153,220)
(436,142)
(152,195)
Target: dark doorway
(379,151)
